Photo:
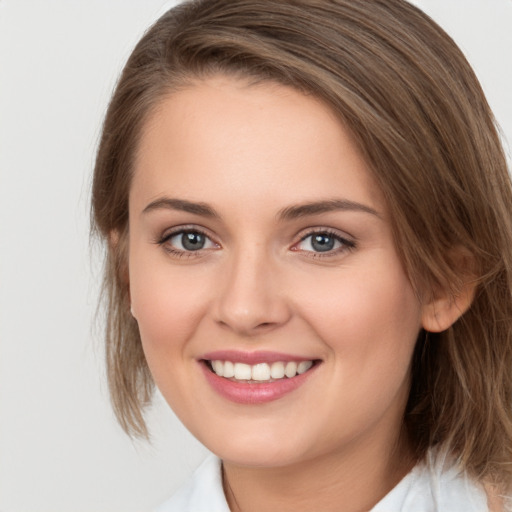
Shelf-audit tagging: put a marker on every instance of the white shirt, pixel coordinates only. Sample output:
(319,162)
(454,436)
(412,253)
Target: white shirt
(427,488)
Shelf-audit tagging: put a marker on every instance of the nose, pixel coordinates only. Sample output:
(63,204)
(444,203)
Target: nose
(252,298)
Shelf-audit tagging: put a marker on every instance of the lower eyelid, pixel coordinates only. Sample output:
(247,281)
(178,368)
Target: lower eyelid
(333,254)
(177,253)
(343,243)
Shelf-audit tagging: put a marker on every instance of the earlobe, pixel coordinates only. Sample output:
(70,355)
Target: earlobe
(444,310)
(118,249)
(113,239)
(448,303)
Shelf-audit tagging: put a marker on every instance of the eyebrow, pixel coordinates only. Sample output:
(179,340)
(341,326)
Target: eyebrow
(315,208)
(168,203)
(288,213)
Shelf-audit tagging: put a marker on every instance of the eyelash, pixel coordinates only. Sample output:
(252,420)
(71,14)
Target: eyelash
(178,253)
(346,245)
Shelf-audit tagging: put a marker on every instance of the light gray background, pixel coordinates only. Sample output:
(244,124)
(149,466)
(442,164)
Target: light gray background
(60,448)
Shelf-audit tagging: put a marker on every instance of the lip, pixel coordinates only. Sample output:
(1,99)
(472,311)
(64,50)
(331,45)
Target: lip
(252,392)
(252,358)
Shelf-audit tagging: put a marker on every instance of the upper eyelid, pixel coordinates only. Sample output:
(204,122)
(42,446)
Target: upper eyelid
(164,241)
(348,243)
(342,235)
(299,237)
(170,232)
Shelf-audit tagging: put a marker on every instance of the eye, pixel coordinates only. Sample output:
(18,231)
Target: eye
(323,242)
(187,240)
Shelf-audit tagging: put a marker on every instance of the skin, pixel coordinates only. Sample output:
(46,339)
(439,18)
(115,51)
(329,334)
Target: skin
(250,152)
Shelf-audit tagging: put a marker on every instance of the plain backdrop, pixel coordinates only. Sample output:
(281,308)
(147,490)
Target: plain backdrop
(60,447)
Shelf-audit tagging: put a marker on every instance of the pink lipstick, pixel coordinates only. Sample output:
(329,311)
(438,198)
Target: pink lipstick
(256,377)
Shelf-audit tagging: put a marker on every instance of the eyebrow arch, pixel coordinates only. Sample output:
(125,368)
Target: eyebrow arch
(314,208)
(169,203)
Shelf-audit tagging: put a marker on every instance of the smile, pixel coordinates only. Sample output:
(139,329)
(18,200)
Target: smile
(256,378)
(261,372)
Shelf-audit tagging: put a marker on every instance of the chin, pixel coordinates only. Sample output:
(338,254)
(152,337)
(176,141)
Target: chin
(259,458)
(257,452)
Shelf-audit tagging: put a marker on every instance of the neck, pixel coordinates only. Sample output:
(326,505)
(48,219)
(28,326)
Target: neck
(358,478)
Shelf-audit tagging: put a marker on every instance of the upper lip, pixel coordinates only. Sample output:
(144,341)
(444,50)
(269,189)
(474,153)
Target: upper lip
(252,358)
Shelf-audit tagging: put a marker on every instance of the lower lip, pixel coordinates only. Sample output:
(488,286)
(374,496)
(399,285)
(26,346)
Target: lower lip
(253,393)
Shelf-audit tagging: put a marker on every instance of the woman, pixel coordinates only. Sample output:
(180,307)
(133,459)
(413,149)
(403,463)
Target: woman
(307,214)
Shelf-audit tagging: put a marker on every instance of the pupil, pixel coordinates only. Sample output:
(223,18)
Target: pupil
(192,241)
(322,243)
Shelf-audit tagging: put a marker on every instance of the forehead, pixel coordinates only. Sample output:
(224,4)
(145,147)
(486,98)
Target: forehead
(224,136)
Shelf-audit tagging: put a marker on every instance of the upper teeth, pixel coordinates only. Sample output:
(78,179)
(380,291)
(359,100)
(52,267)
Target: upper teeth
(260,371)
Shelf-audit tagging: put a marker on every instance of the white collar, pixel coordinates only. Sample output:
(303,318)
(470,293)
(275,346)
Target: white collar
(434,486)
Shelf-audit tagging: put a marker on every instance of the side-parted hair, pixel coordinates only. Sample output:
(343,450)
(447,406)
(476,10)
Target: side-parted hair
(406,93)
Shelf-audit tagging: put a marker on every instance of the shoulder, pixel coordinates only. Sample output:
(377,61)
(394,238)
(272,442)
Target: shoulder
(433,485)
(203,491)
(436,485)
(497,501)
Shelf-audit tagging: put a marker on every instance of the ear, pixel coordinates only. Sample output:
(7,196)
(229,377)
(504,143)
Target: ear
(447,305)
(118,247)
(113,239)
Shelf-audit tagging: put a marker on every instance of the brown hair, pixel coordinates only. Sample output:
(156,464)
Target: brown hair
(420,118)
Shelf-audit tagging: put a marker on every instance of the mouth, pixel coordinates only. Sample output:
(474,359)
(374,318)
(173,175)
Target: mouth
(263,372)
(256,378)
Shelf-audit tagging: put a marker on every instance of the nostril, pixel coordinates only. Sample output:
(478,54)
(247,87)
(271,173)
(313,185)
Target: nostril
(250,313)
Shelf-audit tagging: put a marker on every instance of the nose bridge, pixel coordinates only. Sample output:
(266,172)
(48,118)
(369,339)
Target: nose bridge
(250,298)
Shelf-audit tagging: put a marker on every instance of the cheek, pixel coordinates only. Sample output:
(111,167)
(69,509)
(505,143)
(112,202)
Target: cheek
(370,315)
(167,302)
(370,324)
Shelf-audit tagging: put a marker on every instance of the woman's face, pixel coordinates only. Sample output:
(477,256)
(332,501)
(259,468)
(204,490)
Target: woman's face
(259,240)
